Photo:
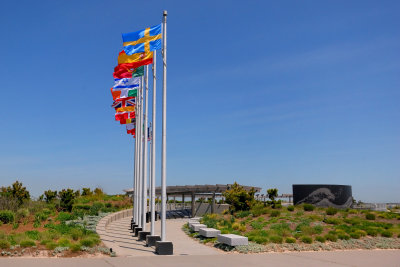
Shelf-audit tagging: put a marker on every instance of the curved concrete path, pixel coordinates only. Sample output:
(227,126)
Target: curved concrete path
(120,238)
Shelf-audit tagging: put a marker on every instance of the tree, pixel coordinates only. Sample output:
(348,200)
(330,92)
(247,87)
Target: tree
(77,193)
(98,191)
(272,194)
(19,192)
(238,198)
(50,195)
(86,191)
(67,197)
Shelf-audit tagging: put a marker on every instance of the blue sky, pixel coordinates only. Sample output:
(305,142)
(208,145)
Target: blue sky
(264,93)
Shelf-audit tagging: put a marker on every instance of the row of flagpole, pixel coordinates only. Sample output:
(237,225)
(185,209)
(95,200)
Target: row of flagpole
(143,172)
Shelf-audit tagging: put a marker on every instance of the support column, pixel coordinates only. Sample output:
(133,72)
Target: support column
(193,204)
(213,203)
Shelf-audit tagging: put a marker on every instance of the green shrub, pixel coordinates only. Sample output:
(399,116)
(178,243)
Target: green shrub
(355,235)
(44,242)
(238,198)
(76,233)
(308,207)
(257,225)
(331,237)
(41,216)
(297,235)
(318,229)
(334,221)
(320,239)
(35,235)
(370,216)
(51,245)
(275,213)
(276,239)
(22,213)
(64,242)
(260,239)
(89,242)
(242,214)
(306,239)
(290,208)
(331,211)
(4,244)
(361,232)
(290,240)
(372,232)
(15,226)
(7,216)
(343,236)
(258,210)
(65,216)
(108,205)
(66,199)
(75,247)
(386,233)
(27,243)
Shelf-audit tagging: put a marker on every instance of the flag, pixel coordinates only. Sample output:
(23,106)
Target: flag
(123,58)
(130,129)
(129,70)
(125,117)
(123,93)
(126,83)
(145,40)
(124,102)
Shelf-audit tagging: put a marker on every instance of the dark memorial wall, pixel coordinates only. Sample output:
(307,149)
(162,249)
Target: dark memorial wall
(323,195)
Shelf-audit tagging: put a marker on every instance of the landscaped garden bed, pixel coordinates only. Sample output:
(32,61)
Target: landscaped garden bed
(305,228)
(57,224)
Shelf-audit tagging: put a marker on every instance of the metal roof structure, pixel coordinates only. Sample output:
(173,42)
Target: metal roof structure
(197,189)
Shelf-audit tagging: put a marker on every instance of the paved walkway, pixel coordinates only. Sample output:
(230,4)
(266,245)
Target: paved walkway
(120,238)
(362,258)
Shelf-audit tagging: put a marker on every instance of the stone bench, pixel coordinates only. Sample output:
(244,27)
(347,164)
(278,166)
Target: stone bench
(197,227)
(192,223)
(233,240)
(209,232)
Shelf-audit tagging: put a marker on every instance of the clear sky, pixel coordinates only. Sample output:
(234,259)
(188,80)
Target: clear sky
(265,93)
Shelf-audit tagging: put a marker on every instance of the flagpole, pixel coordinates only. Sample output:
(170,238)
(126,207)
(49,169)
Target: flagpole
(145,135)
(134,181)
(153,149)
(164,131)
(140,182)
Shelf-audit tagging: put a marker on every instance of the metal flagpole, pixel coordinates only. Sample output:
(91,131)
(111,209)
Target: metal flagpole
(145,158)
(153,149)
(136,191)
(140,182)
(164,131)
(134,181)
(150,157)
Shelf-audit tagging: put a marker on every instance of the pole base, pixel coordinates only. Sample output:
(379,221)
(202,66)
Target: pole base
(151,240)
(164,248)
(133,227)
(142,235)
(137,230)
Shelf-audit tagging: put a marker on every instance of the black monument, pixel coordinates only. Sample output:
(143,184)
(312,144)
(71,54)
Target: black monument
(323,195)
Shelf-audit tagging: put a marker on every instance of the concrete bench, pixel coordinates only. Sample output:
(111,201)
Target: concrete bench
(192,223)
(197,227)
(233,240)
(209,232)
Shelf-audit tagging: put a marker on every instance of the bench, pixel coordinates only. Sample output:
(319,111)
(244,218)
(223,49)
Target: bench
(197,227)
(209,232)
(233,240)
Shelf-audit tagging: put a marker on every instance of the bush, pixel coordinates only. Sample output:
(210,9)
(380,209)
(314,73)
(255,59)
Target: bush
(238,198)
(386,233)
(7,216)
(27,243)
(308,207)
(35,235)
(370,216)
(320,239)
(258,210)
(76,233)
(64,216)
(242,214)
(331,237)
(306,239)
(64,242)
(355,235)
(89,242)
(260,239)
(318,229)
(51,245)
(343,236)
(331,211)
(276,239)
(290,208)
(4,244)
(275,213)
(372,232)
(22,213)
(290,240)
(50,195)
(334,221)
(75,247)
